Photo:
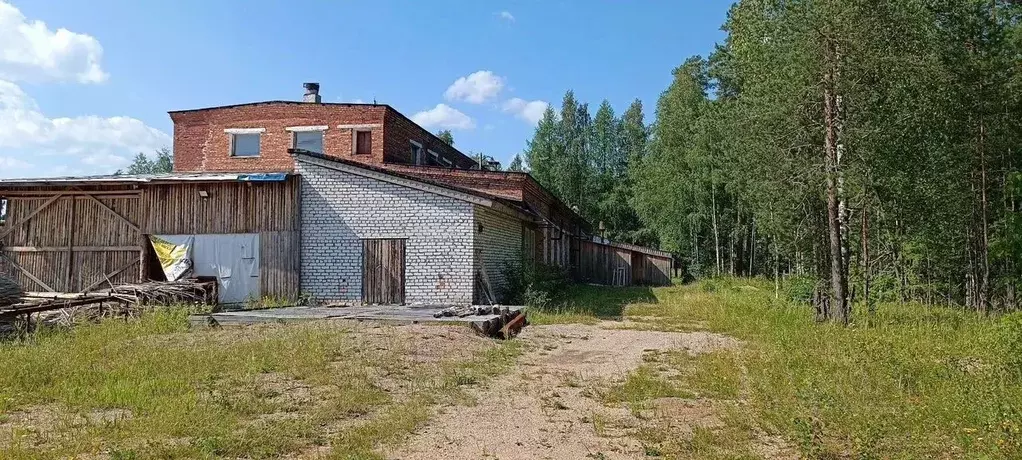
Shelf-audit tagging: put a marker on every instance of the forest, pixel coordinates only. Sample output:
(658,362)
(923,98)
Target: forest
(870,150)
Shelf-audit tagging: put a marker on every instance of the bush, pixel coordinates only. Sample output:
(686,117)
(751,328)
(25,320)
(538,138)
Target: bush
(800,288)
(533,284)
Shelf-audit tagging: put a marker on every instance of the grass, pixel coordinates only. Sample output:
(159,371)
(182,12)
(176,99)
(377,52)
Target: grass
(152,388)
(586,304)
(910,382)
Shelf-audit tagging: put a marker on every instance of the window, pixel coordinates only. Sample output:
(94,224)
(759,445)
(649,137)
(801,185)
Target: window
(363,142)
(244,145)
(416,153)
(309,141)
(3,210)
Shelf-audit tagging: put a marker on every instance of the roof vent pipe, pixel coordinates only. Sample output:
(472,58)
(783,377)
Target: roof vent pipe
(312,93)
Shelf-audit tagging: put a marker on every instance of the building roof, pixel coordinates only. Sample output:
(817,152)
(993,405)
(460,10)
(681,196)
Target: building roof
(147,178)
(250,104)
(514,206)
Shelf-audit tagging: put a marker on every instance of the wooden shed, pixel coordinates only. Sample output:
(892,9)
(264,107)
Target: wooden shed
(605,262)
(80,234)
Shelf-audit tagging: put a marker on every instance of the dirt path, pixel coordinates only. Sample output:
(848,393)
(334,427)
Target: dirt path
(545,409)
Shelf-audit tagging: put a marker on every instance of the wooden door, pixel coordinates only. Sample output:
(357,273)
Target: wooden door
(383,271)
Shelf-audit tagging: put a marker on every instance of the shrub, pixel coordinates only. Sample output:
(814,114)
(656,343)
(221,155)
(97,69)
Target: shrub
(532,283)
(800,288)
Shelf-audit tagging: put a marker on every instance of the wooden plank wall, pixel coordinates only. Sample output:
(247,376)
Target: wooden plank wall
(615,266)
(59,245)
(280,263)
(105,245)
(230,207)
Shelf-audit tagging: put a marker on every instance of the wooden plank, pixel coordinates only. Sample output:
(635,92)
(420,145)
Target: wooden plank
(28,274)
(383,271)
(14,225)
(70,244)
(122,218)
(45,194)
(74,248)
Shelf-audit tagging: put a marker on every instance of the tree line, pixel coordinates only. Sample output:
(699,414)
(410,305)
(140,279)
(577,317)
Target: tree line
(871,147)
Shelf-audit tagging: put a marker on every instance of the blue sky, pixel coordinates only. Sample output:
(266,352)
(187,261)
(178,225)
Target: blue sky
(85,85)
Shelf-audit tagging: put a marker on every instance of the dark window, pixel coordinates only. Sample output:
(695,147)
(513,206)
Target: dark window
(245,145)
(416,154)
(363,142)
(309,141)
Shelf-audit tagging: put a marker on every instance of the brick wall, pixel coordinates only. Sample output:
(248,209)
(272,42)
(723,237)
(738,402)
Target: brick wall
(200,143)
(499,243)
(339,209)
(400,131)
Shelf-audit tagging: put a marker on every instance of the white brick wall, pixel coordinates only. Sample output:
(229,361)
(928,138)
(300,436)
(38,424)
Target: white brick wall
(500,242)
(340,209)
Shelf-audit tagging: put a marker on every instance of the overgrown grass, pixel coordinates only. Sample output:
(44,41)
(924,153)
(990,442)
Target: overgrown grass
(586,304)
(911,382)
(150,388)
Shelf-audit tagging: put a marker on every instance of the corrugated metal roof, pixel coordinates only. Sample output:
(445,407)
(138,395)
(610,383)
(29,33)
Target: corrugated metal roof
(149,178)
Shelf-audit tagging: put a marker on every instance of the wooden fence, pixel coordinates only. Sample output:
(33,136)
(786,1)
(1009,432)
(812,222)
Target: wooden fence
(615,264)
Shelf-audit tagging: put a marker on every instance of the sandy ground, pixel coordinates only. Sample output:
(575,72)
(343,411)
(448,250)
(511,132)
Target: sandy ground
(545,408)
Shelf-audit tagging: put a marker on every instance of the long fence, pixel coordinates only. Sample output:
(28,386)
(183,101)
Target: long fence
(617,264)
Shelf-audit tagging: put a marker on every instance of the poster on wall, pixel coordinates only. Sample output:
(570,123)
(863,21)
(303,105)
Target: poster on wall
(175,254)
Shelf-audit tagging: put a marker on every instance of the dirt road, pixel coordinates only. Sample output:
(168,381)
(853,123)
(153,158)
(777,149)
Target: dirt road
(546,407)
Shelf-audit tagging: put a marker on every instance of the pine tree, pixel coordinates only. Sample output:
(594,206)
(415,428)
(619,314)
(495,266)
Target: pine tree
(544,150)
(516,164)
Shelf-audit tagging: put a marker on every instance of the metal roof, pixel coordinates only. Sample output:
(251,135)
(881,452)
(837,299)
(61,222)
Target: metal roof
(148,178)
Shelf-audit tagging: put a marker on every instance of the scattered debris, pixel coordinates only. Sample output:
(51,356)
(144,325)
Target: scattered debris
(10,292)
(127,296)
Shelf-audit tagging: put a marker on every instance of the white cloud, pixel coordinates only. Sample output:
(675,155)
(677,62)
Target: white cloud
(443,116)
(530,111)
(476,88)
(30,51)
(99,140)
(507,16)
(104,159)
(13,163)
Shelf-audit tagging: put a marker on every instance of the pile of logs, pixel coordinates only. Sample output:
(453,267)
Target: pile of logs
(504,322)
(10,292)
(470,310)
(504,326)
(126,295)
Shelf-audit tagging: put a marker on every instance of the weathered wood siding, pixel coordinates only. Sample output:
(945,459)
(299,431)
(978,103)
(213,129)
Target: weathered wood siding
(614,265)
(231,207)
(70,243)
(70,239)
(383,271)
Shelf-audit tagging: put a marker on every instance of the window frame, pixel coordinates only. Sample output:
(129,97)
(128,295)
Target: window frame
(233,134)
(417,152)
(354,141)
(322,139)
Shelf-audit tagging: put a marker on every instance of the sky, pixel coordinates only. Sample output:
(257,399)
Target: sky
(84,86)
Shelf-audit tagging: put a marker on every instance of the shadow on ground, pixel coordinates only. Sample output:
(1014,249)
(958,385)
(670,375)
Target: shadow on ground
(605,302)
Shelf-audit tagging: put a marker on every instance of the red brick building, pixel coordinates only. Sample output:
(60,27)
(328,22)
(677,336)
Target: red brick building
(264,136)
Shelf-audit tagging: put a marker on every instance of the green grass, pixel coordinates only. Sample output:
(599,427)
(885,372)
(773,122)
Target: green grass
(911,382)
(151,388)
(585,304)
